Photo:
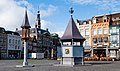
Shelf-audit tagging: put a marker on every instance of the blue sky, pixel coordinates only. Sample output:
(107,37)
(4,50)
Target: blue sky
(54,13)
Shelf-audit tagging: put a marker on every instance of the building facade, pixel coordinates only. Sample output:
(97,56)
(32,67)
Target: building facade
(105,35)
(84,27)
(41,40)
(100,36)
(114,35)
(3,43)
(13,45)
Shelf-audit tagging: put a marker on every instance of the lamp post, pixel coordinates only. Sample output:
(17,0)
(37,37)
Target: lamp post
(25,37)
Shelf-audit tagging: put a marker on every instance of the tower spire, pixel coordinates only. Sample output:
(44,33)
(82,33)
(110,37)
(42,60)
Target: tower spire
(38,23)
(26,21)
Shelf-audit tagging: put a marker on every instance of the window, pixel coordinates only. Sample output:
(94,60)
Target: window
(15,47)
(87,31)
(87,42)
(100,40)
(114,38)
(110,38)
(94,31)
(112,53)
(105,39)
(94,20)
(118,38)
(105,30)
(76,43)
(110,31)
(94,40)
(18,47)
(18,41)
(9,40)
(117,18)
(66,43)
(84,22)
(13,41)
(117,31)
(99,30)
(113,29)
(82,32)
(83,43)
(104,20)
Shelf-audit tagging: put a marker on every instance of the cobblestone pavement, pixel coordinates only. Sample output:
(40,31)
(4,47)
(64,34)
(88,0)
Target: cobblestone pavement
(47,65)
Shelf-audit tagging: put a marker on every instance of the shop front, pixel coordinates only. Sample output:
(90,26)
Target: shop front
(14,54)
(99,53)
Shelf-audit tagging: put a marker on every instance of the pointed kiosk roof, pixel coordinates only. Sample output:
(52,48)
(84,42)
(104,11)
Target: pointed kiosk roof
(26,21)
(71,31)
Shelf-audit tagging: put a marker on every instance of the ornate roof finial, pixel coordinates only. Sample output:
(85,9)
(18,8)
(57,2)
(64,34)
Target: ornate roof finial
(38,10)
(71,11)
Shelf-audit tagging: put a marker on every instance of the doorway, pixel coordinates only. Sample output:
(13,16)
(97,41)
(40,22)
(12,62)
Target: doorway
(100,53)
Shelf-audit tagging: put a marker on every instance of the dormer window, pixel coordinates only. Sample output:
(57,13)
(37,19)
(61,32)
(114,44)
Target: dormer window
(105,20)
(94,20)
(84,22)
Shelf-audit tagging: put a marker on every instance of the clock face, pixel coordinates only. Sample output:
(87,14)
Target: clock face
(67,51)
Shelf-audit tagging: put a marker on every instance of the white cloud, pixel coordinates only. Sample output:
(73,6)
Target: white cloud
(47,24)
(110,5)
(47,11)
(60,33)
(12,14)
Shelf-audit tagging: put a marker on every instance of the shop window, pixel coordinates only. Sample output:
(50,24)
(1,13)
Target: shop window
(112,53)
